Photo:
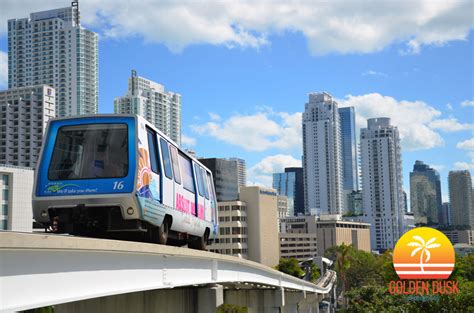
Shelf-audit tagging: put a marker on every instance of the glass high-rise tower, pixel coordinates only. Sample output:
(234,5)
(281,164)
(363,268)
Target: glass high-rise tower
(349,149)
(285,185)
(461,198)
(52,48)
(425,194)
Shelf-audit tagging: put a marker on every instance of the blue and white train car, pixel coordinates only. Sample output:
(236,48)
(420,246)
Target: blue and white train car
(117,174)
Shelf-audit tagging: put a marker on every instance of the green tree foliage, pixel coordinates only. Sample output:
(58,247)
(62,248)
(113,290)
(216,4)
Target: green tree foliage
(290,267)
(229,308)
(464,268)
(46,309)
(315,274)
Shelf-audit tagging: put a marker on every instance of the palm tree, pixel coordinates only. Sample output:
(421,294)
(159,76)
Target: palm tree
(342,265)
(423,247)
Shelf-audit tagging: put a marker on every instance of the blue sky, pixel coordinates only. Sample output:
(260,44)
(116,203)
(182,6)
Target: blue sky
(245,70)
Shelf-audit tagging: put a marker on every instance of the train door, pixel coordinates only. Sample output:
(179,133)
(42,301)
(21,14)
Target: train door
(207,201)
(178,186)
(200,195)
(148,181)
(212,198)
(186,198)
(167,179)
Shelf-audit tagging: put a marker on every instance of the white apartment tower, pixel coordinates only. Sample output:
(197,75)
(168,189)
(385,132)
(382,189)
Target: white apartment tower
(382,193)
(24,113)
(52,48)
(150,100)
(322,155)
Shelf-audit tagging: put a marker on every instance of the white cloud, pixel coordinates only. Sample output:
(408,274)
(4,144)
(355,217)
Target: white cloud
(449,106)
(373,73)
(467,103)
(258,132)
(188,141)
(214,116)
(450,125)
(3,69)
(469,146)
(329,26)
(412,118)
(438,167)
(464,166)
(412,47)
(261,173)
(466,144)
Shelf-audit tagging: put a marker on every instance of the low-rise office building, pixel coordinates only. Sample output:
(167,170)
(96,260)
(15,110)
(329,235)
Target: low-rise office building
(304,237)
(232,239)
(16,187)
(465,236)
(248,227)
(298,237)
(24,113)
(333,232)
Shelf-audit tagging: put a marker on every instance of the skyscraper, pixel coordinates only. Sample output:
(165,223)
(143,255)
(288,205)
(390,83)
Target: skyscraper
(322,157)
(425,194)
(460,197)
(52,48)
(349,149)
(241,170)
(445,215)
(298,202)
(382,193)
(285,185)
(150,100)
(226,179)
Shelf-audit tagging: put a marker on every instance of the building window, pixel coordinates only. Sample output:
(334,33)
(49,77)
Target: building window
(5,180)
(4,209)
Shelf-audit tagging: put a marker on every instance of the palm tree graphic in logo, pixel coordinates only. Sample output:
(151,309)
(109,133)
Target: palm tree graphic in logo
(424,247)
(423,253)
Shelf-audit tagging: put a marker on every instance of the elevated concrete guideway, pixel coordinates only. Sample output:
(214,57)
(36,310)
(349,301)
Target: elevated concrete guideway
(39,269)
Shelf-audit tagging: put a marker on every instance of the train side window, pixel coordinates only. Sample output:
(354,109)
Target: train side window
(165,153)
(152,150)
(174,161)
(187,172)
(197,169)
(212,192)
(206,189)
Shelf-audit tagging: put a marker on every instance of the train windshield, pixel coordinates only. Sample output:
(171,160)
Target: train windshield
(90,151)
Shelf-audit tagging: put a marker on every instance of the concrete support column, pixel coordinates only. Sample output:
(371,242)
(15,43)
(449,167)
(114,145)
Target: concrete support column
(291,301)
(257,301)
(210,298)
(310,304)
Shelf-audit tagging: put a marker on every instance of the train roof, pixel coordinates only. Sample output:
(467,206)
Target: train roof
(136,117)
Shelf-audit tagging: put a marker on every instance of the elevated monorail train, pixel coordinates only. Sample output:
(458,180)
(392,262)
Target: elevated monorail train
(117,175)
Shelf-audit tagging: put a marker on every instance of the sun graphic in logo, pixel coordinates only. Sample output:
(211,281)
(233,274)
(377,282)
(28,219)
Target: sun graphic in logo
(423,253)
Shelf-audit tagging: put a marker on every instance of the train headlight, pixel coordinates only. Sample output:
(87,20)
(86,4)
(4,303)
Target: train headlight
(44,213)
(130,211)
